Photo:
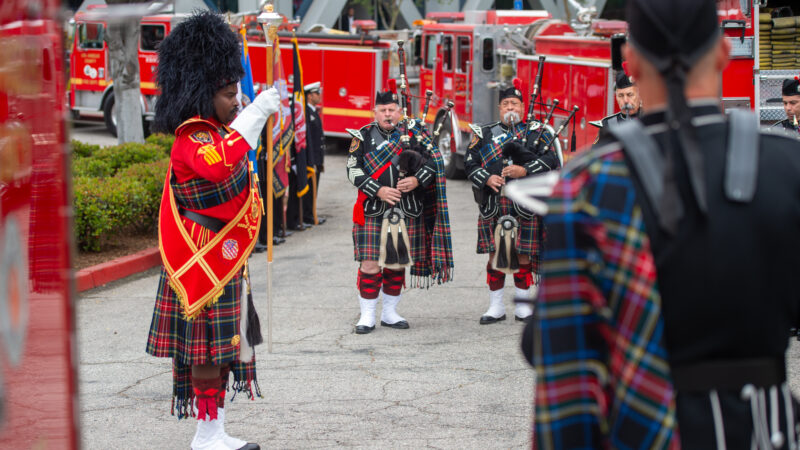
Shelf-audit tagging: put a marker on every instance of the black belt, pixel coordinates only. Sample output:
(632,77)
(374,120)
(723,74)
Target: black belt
(729,374)
(212,223)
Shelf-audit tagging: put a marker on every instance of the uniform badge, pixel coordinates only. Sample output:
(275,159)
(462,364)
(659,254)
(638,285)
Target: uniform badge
(351,161)
(354,145)
(210,154)
(230,249)
(475,140)
(201,137)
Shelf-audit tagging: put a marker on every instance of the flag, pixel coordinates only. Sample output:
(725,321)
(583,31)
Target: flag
(299,118)
(283,128)
(247,80)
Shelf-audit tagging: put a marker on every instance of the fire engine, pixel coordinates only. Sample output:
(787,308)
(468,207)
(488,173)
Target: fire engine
(464,57)
(38,399)
(351,67)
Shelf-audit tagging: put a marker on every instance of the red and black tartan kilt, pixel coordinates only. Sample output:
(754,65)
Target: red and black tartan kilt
(211,337)
(367,239)
(528,241)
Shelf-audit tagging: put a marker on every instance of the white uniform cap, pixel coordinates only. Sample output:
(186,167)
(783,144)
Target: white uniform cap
(312,87)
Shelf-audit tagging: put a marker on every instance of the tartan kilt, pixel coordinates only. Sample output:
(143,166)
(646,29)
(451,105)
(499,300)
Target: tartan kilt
(529,241)
(367,238)
(211,337)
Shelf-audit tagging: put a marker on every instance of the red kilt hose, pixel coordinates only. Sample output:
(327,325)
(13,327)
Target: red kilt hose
(531,232)
(367,239)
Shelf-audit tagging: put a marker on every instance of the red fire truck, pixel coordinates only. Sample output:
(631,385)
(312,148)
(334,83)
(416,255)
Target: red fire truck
(38,404)
(351,68)
(90,84)
(465,56)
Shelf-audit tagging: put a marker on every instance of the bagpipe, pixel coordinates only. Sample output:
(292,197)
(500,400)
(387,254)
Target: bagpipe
(416,150)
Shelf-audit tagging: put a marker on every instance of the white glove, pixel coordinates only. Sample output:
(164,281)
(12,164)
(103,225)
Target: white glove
(250,122)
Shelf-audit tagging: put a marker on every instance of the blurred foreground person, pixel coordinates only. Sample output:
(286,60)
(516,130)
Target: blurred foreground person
(669,276)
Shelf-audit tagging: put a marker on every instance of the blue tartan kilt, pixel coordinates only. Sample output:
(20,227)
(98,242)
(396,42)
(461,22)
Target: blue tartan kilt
(367,239)
(529,239)
(211,337)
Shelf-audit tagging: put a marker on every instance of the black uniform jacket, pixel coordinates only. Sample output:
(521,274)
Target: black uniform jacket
(368,139)
(535,158)
(315,138)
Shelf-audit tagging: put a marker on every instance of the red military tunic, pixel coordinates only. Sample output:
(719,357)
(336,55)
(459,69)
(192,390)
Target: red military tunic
(201,151)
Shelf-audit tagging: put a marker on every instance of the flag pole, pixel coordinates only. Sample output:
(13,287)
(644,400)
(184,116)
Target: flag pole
(269,21)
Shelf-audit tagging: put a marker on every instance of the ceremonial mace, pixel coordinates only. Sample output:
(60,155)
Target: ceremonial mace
(270,21)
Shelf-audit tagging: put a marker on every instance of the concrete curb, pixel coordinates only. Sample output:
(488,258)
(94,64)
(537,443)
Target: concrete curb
(95,276)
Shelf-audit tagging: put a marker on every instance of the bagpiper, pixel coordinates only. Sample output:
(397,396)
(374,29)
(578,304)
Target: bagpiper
(790,95)
(669,274)
(208,225)
(512,235)
(630,103)
(400,217)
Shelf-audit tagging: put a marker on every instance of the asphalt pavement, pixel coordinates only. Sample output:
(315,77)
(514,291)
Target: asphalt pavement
(447,382)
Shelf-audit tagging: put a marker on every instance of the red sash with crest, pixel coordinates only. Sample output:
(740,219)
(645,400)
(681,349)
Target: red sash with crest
(199,275)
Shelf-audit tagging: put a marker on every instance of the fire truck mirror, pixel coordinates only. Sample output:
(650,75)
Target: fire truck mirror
(617,41)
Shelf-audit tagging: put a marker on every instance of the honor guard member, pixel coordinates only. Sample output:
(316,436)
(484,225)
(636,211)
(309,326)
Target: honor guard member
(208,222)
(315,139)
(790,93)
(497,153)
(669,281)
(628,100)
(392,194)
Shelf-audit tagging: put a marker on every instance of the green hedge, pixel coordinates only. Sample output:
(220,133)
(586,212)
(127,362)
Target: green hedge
(118,189)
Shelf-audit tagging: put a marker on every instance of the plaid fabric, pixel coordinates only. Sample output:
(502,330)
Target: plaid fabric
(529,241)
(211,337)
(202,194)
(602,378)
(367,239)
(437,264)
(382,154)
(492,151)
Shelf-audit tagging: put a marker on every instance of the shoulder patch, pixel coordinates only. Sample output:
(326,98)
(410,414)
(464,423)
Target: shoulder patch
(477,130)
(354,145)
(201,137)
(475,139)
(355,133)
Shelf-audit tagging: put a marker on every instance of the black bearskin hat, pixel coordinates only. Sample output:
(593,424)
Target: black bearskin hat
(791,86)
(199,57)
(623,81)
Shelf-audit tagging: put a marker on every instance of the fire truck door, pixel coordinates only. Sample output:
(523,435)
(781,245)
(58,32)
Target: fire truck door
(448,72)
(88,68)
(462,82)
(351,78)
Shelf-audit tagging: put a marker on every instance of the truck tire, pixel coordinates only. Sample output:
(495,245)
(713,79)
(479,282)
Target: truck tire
(108,114)
(453,162)
(111,121)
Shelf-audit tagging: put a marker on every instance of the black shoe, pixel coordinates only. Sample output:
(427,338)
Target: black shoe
(283,233)
(307,225)
(277,240)
(523,319)
(298,227)
(250,446)
(485,320)
(259,248)
(401,325)
(321,220)
(363,329)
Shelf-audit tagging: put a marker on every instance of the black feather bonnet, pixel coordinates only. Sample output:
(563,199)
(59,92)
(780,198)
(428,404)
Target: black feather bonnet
(199,57)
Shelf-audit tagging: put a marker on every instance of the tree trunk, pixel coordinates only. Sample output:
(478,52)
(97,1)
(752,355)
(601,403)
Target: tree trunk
(123,53)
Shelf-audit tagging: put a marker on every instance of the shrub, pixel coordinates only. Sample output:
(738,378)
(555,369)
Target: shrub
(126,202)
(82,149)
(164,141)
(124,155)
(91,167)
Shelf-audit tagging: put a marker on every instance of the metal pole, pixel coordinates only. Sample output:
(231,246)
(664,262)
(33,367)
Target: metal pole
(269,21)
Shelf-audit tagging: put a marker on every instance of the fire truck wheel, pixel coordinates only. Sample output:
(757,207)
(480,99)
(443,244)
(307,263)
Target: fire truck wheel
(111,121)
(453,163)
(108,114)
